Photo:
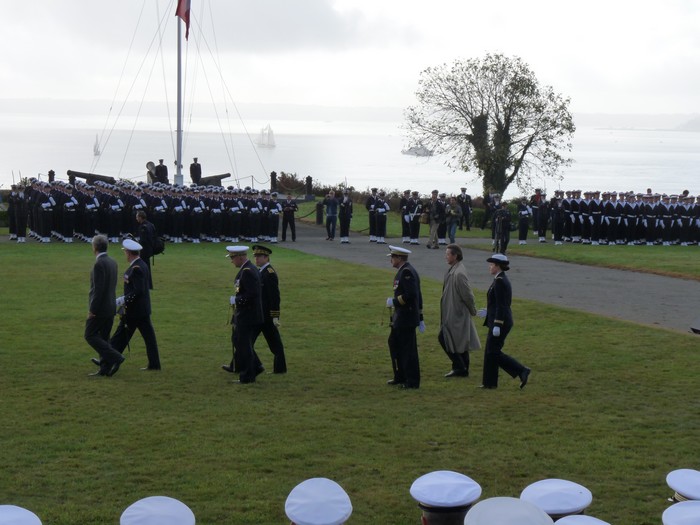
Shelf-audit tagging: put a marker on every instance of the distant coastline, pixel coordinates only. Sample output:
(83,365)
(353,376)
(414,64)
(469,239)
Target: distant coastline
(276,112)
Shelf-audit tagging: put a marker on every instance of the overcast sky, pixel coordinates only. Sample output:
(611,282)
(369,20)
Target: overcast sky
(608,56)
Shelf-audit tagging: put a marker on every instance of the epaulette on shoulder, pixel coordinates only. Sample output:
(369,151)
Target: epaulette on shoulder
(270,269)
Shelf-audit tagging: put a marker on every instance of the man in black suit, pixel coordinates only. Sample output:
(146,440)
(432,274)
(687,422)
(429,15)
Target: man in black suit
(407,315)
(195,171)
(102,308)
(271,308)
(499,319)
(136,306)
(247,316)
(147,235)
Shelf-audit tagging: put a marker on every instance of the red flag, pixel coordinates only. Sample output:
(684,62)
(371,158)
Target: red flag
(183,11)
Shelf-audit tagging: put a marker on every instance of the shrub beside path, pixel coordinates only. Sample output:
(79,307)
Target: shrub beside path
(647,299)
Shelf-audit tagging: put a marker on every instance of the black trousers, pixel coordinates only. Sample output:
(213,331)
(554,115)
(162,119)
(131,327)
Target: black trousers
(460,362)
(274,341)
(494,358)
(403,349)
(245,360)
(125,330)
(288,221)
(97,330)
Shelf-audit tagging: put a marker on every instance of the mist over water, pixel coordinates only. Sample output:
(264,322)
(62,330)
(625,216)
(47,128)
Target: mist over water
(359,154)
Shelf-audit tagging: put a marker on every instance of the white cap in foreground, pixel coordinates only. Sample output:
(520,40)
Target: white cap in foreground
(157,510)
(318,501)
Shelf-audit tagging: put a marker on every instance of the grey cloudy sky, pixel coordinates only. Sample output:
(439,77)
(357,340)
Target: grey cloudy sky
(608,56)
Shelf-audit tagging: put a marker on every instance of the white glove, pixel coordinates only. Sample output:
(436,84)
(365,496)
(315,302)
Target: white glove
(421,327)
(496,331)
(276,321)
(591,219)
(120,301)
(389,302)
(232,300)
(481,312)
(407,218)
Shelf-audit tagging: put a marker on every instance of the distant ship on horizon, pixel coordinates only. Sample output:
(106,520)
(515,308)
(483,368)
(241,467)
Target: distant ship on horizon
(418,151)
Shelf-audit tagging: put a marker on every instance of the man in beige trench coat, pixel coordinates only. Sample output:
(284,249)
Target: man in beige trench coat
(458,333)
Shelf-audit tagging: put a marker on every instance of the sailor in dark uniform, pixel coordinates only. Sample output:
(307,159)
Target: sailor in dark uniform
(195,171)
(371,204)
(247,316)
(136,303)
(161,174)
(271,308)
(499,320)
(405,217)
(345,216)
(289,208)
(407,315)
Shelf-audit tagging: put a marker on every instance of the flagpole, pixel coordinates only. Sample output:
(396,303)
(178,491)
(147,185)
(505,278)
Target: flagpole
(178,131)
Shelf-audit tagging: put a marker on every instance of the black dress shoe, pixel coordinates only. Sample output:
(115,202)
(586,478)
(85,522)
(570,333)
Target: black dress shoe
(149,368)
(239,382)
(100,372)
(455,373)
(394,382)
(487,387)
(96,361)
(115,366)
(227,368)
(524,375)
(404,386)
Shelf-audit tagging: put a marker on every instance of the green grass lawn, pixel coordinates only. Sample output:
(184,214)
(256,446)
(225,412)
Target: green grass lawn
(610,405)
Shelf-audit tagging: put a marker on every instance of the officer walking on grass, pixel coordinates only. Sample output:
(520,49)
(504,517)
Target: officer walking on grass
(271,308)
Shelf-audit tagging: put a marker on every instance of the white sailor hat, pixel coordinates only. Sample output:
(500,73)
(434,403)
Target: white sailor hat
(236,250)
(580,519)
(445,489)
(131,245)
(506,511)
(156,510)
(686,483)
(683,513)
(398,250)
(558,497)
(318,501)
(14,515)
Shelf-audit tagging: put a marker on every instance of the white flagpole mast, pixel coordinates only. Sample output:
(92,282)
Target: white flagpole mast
(178,131)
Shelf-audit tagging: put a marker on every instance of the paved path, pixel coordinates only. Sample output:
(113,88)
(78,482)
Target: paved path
(646,299)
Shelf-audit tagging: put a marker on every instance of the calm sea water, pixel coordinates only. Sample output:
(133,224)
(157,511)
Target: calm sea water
(361,154)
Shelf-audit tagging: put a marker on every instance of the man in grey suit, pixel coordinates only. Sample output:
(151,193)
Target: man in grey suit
(102,308)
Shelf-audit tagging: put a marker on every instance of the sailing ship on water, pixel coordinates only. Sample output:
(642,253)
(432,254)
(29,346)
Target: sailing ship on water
(266,139)
(96,147)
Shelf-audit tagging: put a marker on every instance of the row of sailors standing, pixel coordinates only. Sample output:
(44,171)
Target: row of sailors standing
(437,210)
(624,218)
(63,211)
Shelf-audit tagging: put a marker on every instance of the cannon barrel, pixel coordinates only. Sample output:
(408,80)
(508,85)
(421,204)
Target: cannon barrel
(90,178)
(213,180)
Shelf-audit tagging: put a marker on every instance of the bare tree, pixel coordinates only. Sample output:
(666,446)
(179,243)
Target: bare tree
(492,116)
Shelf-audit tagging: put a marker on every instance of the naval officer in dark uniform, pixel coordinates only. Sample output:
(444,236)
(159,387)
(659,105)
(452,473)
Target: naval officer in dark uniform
(247,316)
(499,319)
(407,315)
(271,308)
(136,303)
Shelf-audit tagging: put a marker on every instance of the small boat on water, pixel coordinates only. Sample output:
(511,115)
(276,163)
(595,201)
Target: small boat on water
(418,151)
(266,138)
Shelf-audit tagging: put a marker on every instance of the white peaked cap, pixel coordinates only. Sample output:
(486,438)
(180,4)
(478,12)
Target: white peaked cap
(506,511)
(157,510)
(558,496)
(445,489)
(580,519)
(318,501)
(685,482)
(683,513)
(13,515)
(131,245)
